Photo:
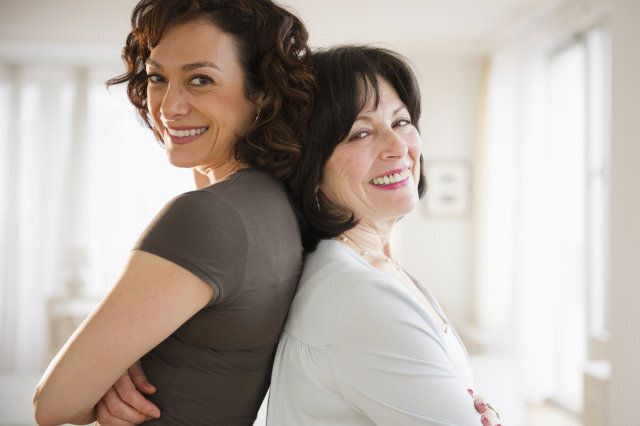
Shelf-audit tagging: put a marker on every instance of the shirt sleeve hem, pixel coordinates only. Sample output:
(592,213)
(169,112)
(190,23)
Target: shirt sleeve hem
(185,264)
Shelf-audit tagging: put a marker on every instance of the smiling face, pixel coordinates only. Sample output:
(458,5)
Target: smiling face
(374,171)
(196,95)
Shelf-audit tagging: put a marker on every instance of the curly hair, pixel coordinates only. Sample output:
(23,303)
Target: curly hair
(347,76)
(273,53)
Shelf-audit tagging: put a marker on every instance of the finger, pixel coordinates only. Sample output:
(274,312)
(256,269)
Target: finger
(480,404)
(120,409)
(128,393)
(105,418)
(140,379)
(491,417)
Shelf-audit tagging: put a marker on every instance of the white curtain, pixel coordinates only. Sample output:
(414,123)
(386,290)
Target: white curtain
(35,141)
(80,178)
(530,225)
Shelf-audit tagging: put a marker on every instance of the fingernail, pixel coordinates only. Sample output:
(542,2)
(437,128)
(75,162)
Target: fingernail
(154,413)
(470,391)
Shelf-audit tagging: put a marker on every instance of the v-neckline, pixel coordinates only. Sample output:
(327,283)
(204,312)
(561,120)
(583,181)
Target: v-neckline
(425,292)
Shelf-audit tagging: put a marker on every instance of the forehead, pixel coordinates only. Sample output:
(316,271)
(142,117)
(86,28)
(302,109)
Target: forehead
(385,97)
(192,41)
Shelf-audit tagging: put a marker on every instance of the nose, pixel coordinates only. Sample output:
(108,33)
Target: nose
(174,104)
(393,145)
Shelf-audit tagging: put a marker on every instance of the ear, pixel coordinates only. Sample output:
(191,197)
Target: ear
(259,99)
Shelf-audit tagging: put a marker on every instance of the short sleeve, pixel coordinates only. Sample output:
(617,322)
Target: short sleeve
(391,367)
(203,234)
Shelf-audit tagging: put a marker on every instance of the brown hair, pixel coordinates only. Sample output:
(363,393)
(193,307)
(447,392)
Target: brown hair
(273,53)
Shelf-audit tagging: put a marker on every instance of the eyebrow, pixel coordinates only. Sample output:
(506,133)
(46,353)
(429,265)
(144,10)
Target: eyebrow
(364,115)
(187,67)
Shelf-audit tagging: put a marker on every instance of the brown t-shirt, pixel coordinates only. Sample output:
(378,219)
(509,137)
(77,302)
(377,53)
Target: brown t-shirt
(241,237)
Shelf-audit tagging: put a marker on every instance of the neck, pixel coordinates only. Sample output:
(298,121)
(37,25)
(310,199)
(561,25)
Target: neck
(372,237)
(210,174)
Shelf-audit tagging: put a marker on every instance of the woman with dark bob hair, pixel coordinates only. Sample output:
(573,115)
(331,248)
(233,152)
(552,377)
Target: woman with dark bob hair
(364,342)
(225,86)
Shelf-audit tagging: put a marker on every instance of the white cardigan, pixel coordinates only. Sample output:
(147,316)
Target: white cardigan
(358,349)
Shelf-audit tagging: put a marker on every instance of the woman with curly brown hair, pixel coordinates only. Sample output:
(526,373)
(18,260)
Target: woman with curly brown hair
(226,88)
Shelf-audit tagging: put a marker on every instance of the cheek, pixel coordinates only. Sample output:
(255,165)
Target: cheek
(237,110)
(154,101)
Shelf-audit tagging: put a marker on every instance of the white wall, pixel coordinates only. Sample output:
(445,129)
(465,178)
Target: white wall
(625,214)
(438,251)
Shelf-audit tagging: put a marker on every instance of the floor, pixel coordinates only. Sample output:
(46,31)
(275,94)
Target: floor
(16,391)
(550,415)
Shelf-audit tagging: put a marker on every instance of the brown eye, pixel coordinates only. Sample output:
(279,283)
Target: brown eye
(360,134)
(200,80)
(402,122)
(155,78)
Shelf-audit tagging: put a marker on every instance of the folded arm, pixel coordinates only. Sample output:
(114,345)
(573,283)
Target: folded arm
(152,299)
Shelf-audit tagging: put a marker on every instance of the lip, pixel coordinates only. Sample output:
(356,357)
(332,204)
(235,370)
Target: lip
(184,127)
(394,185)
(183,140)
(391,172)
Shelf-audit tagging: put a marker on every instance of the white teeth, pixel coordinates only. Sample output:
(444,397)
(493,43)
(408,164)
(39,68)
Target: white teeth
(185,133)
(391,178)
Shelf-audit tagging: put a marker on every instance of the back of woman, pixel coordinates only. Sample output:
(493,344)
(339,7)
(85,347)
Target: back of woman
(216,366)
(226,88)
(365,343)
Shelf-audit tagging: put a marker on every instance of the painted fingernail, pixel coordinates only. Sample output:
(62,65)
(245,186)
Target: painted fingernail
(485,419)
(470,391)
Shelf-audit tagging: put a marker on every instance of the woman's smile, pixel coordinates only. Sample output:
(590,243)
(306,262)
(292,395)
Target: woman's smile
(393,179)
(185,135)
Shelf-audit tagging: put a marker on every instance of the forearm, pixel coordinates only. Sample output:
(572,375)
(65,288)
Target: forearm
(51,418)
(50,410)
(81,419)
(69,389)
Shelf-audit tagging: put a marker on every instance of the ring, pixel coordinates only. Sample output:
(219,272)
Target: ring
(494,410)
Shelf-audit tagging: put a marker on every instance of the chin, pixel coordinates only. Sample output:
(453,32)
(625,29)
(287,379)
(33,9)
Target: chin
(182,162)
(407,207)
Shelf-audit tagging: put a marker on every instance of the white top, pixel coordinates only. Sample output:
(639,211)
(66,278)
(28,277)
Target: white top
(358,349)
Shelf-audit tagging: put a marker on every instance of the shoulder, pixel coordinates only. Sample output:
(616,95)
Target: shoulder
(247,184)
(257,198)
(338,293)
(198,215)
(193,201)
(202,233)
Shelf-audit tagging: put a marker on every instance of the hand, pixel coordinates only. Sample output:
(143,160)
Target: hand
(124,403)
(490,416)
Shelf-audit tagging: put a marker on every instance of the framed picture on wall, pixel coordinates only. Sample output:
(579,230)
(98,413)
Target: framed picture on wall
(448,193)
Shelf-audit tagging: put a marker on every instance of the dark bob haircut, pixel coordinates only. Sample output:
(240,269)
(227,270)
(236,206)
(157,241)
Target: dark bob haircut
(273,53)
(346,77)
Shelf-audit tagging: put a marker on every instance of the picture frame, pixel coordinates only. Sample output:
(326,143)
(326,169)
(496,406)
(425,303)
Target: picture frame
(448,189)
